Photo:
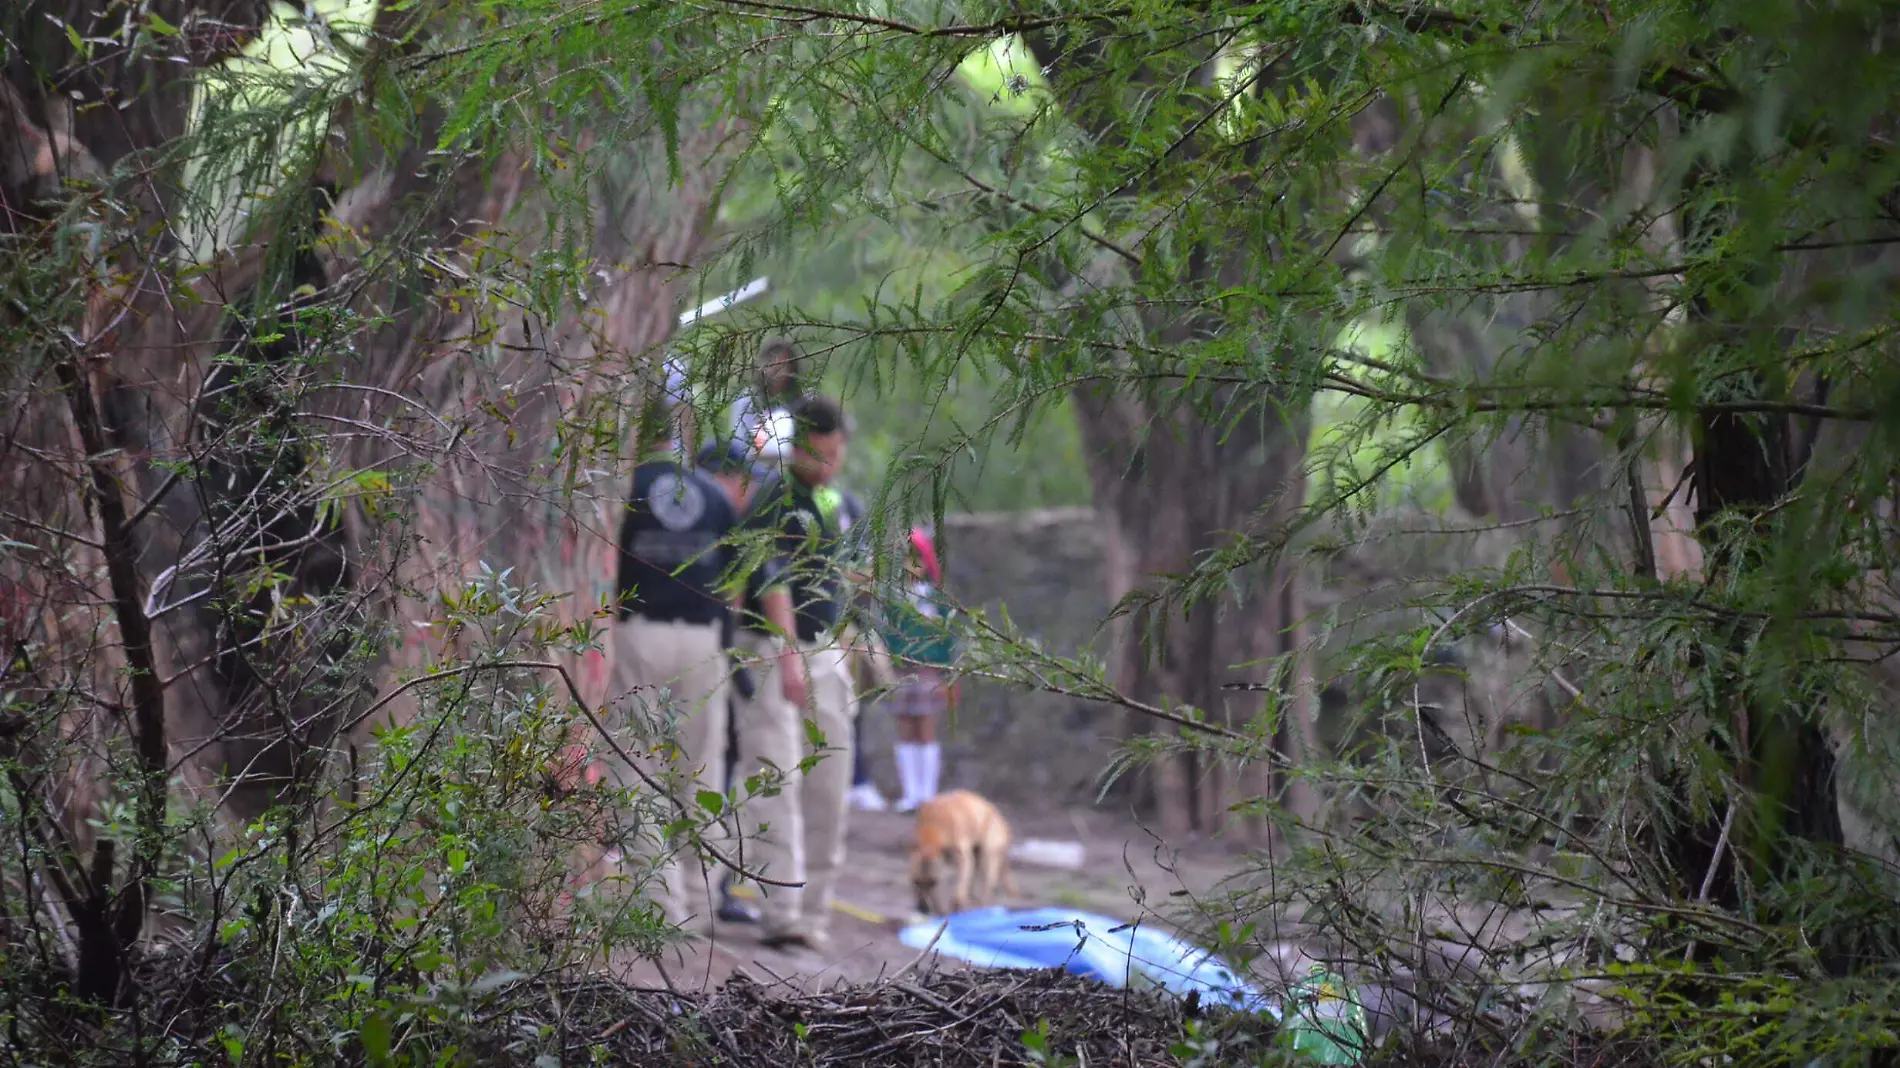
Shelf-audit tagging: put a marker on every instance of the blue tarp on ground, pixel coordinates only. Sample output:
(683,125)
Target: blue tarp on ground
(1085,944)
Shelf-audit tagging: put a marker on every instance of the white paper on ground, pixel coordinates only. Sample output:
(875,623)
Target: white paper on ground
(1047,854)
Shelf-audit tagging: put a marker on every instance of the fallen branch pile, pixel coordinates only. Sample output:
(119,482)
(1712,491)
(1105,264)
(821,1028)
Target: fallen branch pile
(950,1019)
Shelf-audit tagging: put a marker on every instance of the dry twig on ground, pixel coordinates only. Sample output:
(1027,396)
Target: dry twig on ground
(950,1018)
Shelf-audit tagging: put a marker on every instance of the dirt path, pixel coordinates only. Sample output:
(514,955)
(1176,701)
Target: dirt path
(1125,867)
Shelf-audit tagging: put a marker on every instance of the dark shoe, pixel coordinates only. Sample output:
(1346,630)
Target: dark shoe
(733,910)
(793,940)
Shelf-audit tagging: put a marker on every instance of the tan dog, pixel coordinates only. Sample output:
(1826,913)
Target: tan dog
(963,828)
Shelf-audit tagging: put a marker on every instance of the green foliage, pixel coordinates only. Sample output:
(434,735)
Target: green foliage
(910,406)
(1503,214)
(1605,232)
(262,116)
(1039,1049)
(914,397)
(1359,451)
(437,876)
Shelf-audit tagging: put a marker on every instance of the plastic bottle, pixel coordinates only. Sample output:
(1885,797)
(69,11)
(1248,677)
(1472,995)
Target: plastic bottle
(1325,1021)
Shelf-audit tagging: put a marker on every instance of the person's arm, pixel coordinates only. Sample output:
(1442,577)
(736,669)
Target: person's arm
(856,549)
(944,649)
(945,616)
(883,669)
(777,605)
(775,600)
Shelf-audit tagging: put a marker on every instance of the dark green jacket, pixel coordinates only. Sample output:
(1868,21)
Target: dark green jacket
(914,624)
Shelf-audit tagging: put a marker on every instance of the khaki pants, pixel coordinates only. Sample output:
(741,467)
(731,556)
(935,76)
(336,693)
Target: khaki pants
(669,679)
(797,835)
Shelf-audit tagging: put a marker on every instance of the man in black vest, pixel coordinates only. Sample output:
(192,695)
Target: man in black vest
(670,667)
(734,466)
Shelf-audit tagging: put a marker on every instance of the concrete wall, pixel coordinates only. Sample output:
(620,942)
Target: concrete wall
(1047,569)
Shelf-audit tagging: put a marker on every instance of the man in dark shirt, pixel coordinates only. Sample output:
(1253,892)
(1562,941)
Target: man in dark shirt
(733,465)
(670,665)
(792,609)
(761,415)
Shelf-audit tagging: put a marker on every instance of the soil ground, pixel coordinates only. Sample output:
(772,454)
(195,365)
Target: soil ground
(1125,866)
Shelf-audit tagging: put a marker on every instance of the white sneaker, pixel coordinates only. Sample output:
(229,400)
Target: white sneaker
(865,798)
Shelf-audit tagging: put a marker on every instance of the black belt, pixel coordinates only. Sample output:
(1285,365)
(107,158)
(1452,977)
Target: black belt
(656,617)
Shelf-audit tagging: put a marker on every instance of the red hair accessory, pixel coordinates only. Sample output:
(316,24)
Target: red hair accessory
(920,543)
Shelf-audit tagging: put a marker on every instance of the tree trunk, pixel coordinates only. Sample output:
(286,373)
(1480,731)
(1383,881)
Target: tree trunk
(71,116)
(499,498)
(513,420)
(1744,467)
(1172,487)
(1175,476)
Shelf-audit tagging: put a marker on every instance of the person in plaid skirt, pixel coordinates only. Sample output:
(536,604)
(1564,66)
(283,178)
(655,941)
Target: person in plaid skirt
(914,628)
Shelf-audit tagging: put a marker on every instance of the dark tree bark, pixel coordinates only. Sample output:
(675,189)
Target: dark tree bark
(107,117)
(1174,477)
(122,103)
(1171,486)
(498,497)
(36,163)
(1749,476)
(1744,468)
(214,465)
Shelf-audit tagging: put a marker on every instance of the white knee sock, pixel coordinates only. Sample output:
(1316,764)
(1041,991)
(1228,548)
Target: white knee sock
(909,772)
(929,766)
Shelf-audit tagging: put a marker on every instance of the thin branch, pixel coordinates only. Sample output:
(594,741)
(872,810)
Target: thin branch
(606,735)
(148,694)
(1715,864)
